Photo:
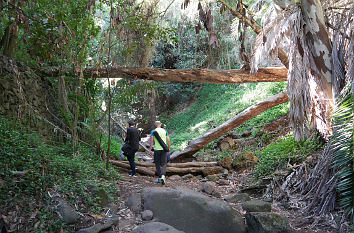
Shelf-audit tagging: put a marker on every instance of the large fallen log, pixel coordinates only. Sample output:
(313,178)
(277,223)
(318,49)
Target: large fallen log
(176,165)
(249,113)
(140,170)
(270,74)
(188,168)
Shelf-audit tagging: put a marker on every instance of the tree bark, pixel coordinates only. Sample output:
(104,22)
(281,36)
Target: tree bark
(320,50)
(270,74)
(244,116)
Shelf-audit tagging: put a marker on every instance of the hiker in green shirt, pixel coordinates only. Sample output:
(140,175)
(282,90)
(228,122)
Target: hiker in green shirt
(160,153)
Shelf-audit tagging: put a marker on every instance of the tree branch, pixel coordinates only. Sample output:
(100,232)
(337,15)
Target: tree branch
(256,28)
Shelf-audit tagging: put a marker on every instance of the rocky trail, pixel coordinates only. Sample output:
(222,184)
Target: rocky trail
(225,188)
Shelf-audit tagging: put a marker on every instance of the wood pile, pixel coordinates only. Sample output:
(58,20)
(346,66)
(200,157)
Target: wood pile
(195,168)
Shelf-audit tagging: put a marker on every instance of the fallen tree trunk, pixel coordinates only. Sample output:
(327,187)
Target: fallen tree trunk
(270,74)
(177,165)
(178,169)
(140,170)
(249,113)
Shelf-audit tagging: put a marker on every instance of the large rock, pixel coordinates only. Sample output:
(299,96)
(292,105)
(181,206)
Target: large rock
(155,227)
(238,197)
(260,222)
(187,177)
(212,170)
(209,188)
(147,215)
(66,212)
(192,212)
(257,206)
(212,177)
(134,202)
(244,160)
(226,162)
(100,226)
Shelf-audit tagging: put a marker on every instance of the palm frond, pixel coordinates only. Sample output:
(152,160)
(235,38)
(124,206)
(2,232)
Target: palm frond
(344,146)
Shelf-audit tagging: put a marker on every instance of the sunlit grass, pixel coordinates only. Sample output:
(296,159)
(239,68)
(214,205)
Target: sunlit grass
(217,104)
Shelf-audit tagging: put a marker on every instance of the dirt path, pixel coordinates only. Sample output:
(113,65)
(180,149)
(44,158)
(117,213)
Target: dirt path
(225,187)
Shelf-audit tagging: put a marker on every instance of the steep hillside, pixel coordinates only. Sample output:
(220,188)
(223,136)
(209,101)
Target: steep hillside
(218,103)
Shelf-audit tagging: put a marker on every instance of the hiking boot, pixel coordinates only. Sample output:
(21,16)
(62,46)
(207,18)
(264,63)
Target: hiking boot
(163,179)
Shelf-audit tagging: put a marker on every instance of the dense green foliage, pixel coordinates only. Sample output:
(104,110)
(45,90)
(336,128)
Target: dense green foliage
(49,168)
(218,103)
(277,155)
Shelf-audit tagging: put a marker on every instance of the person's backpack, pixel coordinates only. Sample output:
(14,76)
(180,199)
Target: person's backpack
(126,148)
(161,142)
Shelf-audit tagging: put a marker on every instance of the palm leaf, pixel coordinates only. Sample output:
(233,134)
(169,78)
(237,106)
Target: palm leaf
(344,146)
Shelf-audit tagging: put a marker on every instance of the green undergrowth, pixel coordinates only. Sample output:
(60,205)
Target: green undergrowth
(116,145)
(218,103)
(48,169)
(278,154)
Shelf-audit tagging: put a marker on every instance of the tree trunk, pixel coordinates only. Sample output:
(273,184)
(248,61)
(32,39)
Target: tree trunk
(317,39)
(176,165)
(8,41)
(270,74)
(244,116)
(140,170)
(177,169)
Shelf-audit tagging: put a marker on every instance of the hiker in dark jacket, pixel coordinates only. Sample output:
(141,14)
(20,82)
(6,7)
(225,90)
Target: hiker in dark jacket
(133,138)
(160,156)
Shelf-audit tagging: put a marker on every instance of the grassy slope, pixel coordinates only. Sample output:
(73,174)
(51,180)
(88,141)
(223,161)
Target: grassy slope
(218,103)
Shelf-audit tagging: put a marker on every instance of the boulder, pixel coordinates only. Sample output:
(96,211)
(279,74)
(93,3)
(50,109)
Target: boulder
(226,162)
(99,226)
(225,143)
(155,227)
(175,177)
(238,197)
(191,211)
(260,222)
(212,170)
(212,177)
(187,177)
(66,212)
(244,160)
(223,182)
(208,187)
(134,202)
(147,215)
(256,206)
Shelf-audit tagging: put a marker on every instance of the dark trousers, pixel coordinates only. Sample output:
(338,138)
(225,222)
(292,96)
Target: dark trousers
(131,157)
(160,159)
